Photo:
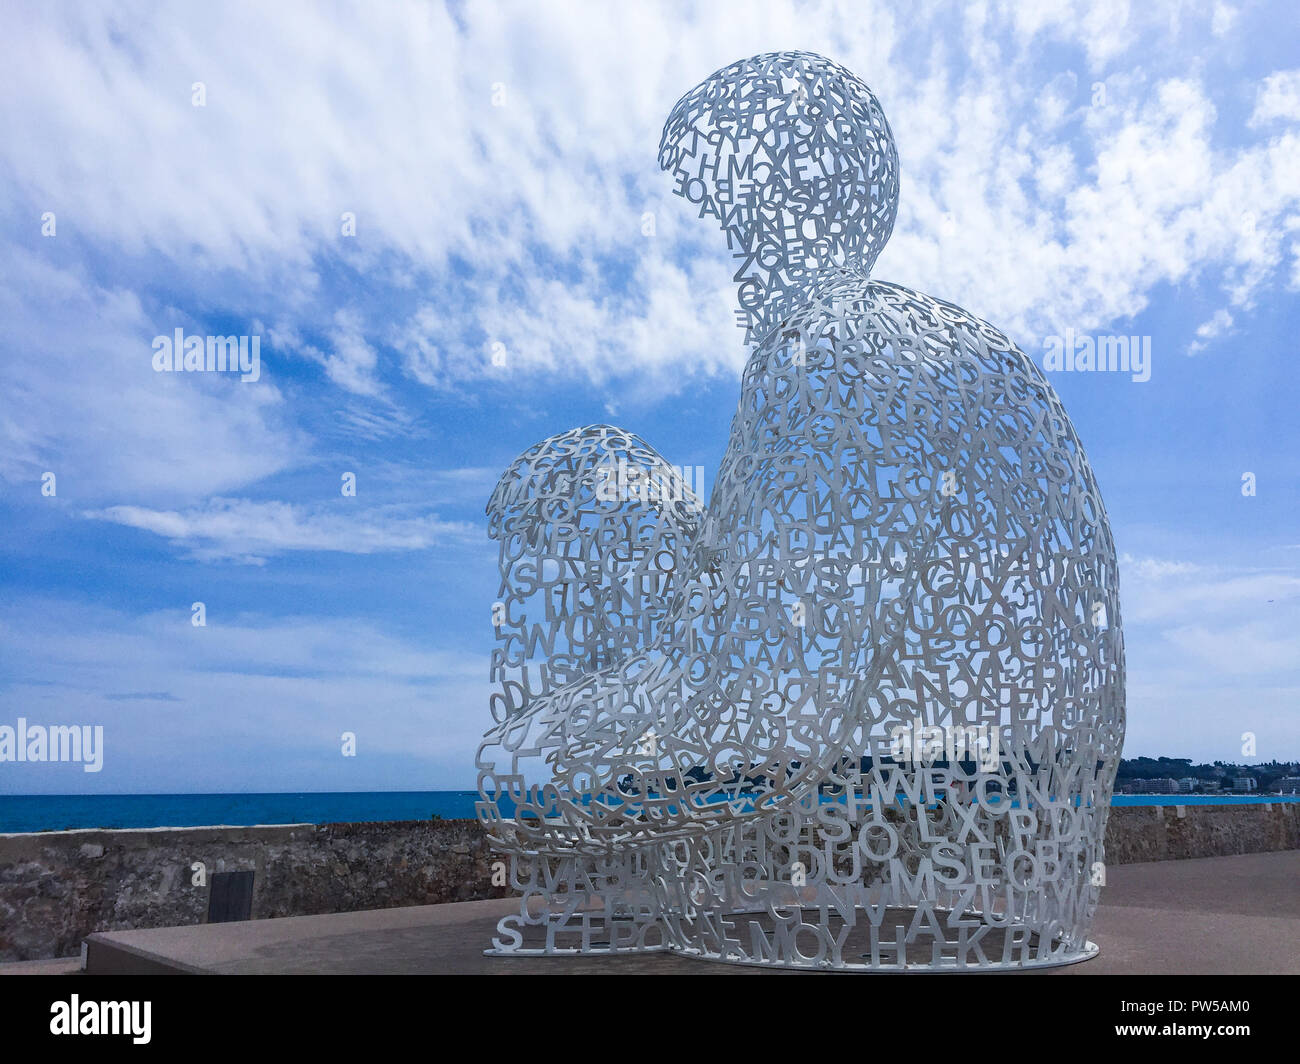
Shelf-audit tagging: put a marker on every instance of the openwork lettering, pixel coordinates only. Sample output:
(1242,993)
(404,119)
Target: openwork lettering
(864,708)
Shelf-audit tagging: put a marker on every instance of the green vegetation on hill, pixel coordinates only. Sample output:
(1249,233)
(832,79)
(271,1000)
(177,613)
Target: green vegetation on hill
(1266,774)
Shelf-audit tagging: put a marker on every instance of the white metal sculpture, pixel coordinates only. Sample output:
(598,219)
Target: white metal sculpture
(864,709)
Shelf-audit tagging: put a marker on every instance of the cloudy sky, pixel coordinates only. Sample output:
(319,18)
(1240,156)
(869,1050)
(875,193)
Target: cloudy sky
(390,195)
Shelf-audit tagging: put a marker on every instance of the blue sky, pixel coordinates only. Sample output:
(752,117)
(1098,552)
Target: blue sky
(1105,168)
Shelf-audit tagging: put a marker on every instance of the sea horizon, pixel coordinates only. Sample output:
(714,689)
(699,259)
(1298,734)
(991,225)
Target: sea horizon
(25,813)
(29,813)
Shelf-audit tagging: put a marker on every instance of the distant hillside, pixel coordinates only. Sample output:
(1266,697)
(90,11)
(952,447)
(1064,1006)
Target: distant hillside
(1265,773)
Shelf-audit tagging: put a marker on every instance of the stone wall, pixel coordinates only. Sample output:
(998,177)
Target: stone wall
(1165,833)
(57,887)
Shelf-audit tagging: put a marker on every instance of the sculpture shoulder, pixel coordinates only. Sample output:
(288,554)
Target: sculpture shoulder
(861,320)
(886,307)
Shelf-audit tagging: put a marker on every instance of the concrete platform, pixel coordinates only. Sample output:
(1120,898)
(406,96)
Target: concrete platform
(1206,916)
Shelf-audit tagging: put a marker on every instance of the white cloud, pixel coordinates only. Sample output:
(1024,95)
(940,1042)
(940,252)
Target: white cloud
(83,401)
(1156,568)
(248,702)
(1224,18)
(1247,649)
(244,530)
(1212,651)
(509,217)
(1179,594)
(351,364)
(1278,98)
(1215,327)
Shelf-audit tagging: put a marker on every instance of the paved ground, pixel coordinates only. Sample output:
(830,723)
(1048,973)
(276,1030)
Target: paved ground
(1213,915)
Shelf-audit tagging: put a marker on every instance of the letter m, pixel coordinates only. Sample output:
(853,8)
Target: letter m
(65,743)
(1112,352)
(222,351)
(116,1017)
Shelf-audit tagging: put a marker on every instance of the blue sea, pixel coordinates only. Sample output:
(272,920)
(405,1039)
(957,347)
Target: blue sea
(54,812)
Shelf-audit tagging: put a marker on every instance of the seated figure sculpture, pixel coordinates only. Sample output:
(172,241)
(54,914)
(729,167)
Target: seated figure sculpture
(862,710)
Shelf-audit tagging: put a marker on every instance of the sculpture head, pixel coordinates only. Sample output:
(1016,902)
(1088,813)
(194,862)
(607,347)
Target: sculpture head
(792,155)
(594,529)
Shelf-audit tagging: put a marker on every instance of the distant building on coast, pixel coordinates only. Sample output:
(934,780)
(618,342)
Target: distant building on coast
(1159,785)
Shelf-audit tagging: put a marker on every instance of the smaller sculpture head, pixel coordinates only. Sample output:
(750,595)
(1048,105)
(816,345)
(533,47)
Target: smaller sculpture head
(595,531)
(792,155)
